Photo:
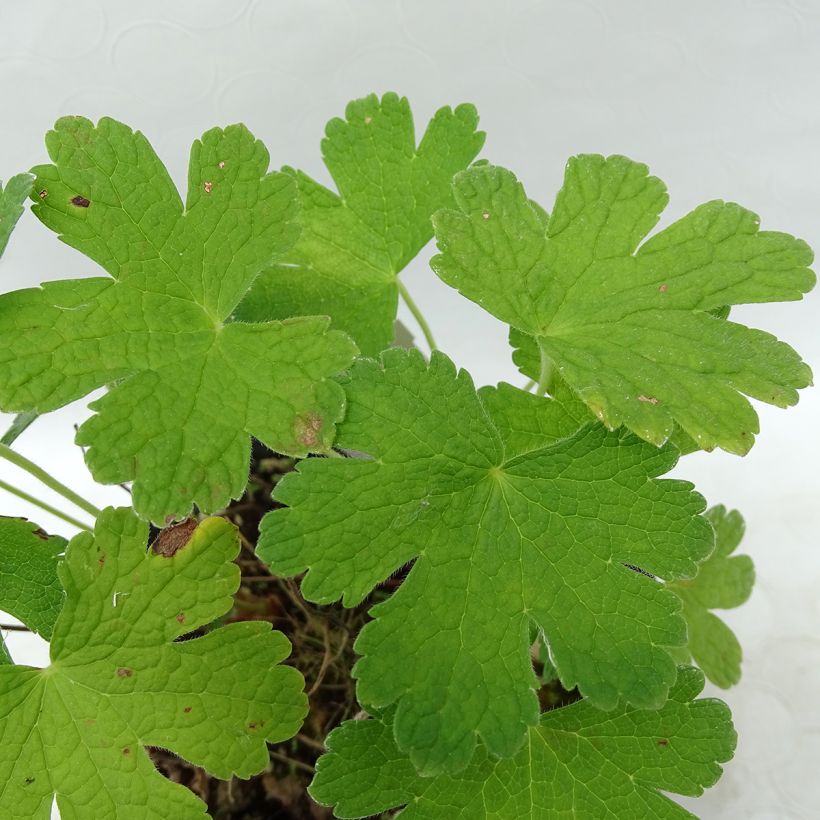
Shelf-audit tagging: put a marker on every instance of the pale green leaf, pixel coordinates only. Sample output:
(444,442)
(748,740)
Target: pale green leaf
(12,200)
(724,581)
(120,681)
(29,587)
(629,326)
(577,763)
(355,243)
(187,391)
(499,539)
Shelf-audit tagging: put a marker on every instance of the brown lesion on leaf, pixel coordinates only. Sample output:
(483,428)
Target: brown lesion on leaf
(208,186)
(126,751)
(307,428)
(648,399)
(172,539)
(28,781)
(42,194)
(187,709)
(80,201)
(181,617)
(101,561)
(663,288)
(663,741)
(125,672)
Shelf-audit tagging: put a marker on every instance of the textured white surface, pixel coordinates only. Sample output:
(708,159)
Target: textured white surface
(720,99)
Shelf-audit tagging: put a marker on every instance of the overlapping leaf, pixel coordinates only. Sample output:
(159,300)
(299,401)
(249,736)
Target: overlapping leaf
(119,681)
(29,587)
(502,534)
(578,762)
(355,243)
(188,390)
(724,581)
(12,199)
(629,325)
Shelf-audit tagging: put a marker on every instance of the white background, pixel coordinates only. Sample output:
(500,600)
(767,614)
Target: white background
(721,99)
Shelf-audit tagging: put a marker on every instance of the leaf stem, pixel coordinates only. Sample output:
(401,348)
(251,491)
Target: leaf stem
(529,385)
(44,506)
(545,376)
(39,473)
(418,316)
(20,423)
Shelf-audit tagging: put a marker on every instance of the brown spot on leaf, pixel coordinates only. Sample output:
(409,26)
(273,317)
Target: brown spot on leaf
(368,120)
(28,781)
(80,202)
(125,672)
(251,725)
(222,164)
(485,215)
(172,539)
(90,721)
(663,741)
(663,288)
(101,560)
(208,186)
(307,429)
(42,194)
(187,709)
(181,617)
(648,399)
(126,751)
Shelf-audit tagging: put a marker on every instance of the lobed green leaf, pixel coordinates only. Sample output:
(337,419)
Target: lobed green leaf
(578,762)
(186,390)
(120,680)
(507,522)
(724,581)
(355,243)
(630,322)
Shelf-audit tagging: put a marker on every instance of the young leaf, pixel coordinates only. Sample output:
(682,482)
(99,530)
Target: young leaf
(29,587)
(188,390)
(120,681)
(724,581)
(499,539)
(578,762)
(12,198)
(355,243)
(629,328)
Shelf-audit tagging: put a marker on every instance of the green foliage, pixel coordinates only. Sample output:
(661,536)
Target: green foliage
(724,581)
(355,243)
(627,320)
(12,198)
(504,529)
(526,536)
(578,762)
(119,681)
(189,390)
(29,587)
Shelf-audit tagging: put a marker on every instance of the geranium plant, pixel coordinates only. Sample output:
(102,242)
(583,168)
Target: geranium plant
(486,602)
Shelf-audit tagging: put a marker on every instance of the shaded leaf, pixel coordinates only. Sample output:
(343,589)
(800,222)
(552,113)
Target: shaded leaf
(355,243)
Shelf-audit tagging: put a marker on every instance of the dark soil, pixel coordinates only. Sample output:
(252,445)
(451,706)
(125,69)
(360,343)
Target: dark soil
(322,638)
